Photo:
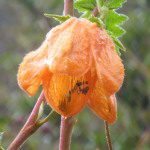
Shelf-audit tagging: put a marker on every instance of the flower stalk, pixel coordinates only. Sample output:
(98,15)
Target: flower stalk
(31,125)
(66,132)
(108,138)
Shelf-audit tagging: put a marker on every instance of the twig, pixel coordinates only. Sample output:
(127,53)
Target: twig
(108,138)
(30,126)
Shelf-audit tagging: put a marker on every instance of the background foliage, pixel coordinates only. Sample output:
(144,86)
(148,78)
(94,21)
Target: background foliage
(23,28)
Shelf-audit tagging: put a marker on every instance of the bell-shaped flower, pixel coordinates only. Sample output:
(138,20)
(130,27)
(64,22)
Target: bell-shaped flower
(77,65)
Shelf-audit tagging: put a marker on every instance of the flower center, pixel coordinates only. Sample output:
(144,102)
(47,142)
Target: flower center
(79,88)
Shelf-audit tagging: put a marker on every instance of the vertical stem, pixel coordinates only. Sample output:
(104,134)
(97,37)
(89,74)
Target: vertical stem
(108,138)
(68,7)
(66,123)
(66,132)
(95,11)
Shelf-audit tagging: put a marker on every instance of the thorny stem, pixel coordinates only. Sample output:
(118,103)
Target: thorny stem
(108,138)
(66,123)
(30,126)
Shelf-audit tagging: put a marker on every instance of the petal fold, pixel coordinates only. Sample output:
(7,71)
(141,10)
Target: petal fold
(69,48)
(104,106)
(67,95)
(110,69)
(32,69)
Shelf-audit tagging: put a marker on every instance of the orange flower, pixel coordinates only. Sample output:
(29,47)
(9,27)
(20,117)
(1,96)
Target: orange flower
(77,65)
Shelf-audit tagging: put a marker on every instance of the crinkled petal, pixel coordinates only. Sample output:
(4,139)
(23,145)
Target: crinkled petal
(67,95)
(109,66)
(31,70)
(104,106)
(69,48)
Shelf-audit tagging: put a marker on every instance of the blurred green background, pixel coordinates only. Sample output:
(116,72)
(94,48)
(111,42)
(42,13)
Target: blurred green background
(23,28)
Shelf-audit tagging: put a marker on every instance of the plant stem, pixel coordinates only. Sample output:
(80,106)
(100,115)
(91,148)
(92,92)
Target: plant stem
(95,11)
(108,138)
(66,123)
(68,7)
(30,126)
(66,132)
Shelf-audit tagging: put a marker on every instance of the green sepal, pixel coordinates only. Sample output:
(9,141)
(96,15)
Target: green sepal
(96,20)
(86,14)
(58,17)
(84,5)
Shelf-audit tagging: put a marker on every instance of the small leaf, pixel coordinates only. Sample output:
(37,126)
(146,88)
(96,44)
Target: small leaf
(58,17)
(41,110)
(115,4)
(116,30)
(113,17)
(119,44)
(86,14)
(97,20)
(84,5)
(113,20)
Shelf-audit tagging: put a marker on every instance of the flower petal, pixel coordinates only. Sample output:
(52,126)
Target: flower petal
(69,48)
(67,95)
(31,70)
(109,66)
(104,106)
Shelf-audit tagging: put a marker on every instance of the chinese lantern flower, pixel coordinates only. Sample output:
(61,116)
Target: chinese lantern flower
(77,65)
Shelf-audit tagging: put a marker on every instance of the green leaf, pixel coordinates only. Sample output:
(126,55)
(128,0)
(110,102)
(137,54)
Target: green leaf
(113,17)
(119,44)
(97,20)
(86,14)
(116,30)
(115,4)
(113,20)
(84,5)
(58,17)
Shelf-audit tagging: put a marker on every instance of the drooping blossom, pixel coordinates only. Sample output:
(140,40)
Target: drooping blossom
(77,66)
